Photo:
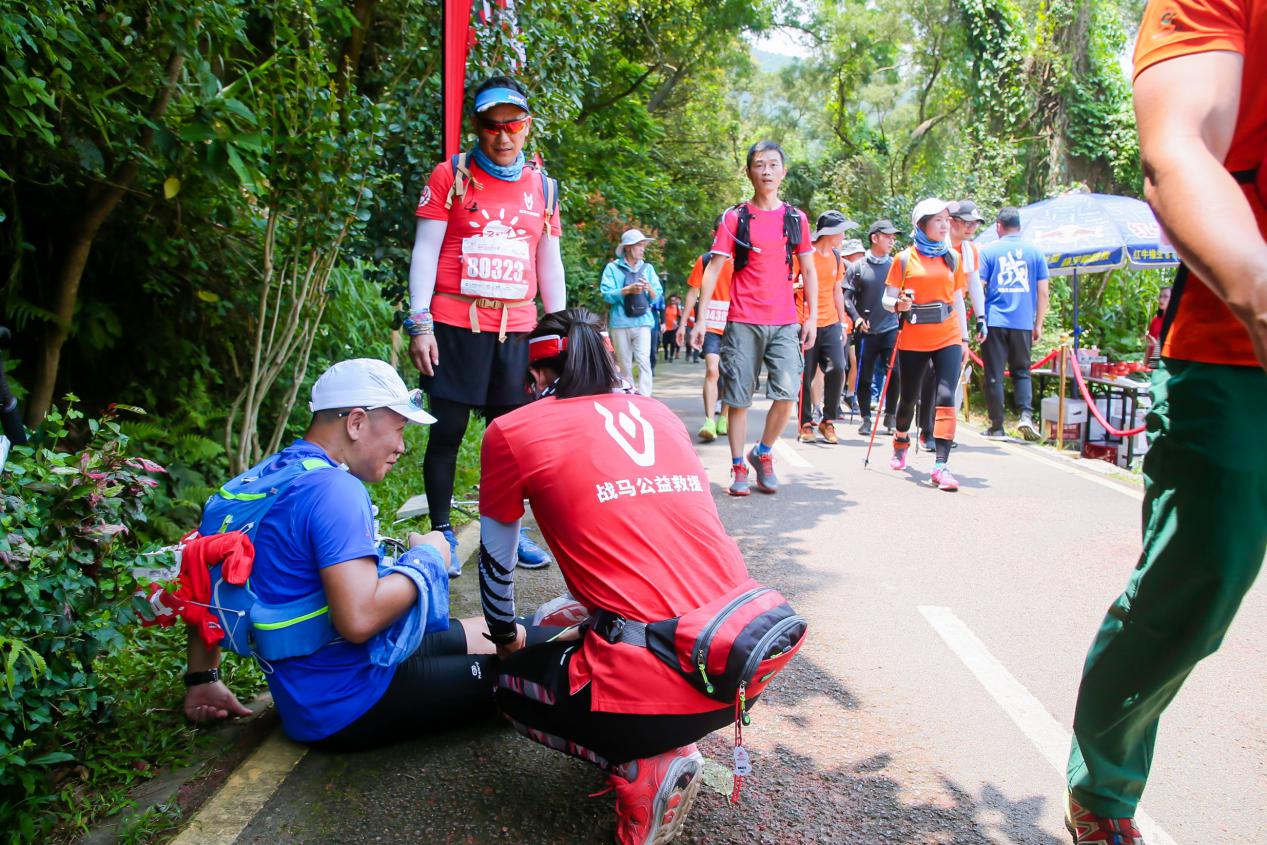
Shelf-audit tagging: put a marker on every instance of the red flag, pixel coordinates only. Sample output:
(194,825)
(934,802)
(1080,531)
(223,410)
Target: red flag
(457,43)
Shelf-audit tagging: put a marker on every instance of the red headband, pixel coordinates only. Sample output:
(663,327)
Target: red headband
(553,345)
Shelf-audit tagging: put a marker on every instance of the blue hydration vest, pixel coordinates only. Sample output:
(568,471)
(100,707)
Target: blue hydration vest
(272,632)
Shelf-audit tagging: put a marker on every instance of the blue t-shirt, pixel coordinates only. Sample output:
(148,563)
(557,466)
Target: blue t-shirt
(322,519)
(1010,272)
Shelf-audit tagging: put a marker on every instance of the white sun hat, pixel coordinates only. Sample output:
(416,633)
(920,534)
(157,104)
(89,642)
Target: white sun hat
(367,383)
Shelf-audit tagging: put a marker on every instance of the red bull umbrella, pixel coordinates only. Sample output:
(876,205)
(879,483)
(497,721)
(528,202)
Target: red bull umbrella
(1092,233)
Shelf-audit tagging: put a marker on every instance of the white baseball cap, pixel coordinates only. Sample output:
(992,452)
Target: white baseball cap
(629,238)
(367,383)
(931,206)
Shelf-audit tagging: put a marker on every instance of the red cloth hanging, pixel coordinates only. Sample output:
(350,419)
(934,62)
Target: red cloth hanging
(236,554)
(457,38)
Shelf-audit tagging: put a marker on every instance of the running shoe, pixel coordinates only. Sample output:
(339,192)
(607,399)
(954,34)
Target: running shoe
(721,425)
(865,428)
(1027,428)
(944,480)
(928,443)
(900,448)
(739,485)
(708,431)
(455,563)
(1090,829)
(654,795)
(763,465)
(888,426)
(531,556)
(995,434)
(828,430)
(807,433)
(561,612)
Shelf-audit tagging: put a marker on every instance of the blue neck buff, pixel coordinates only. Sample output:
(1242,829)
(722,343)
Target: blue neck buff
(507,173)
(931,248)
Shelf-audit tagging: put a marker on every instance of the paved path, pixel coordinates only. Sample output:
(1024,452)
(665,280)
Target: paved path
(931,705)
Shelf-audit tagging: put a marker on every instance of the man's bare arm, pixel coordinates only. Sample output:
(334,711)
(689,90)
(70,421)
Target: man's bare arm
(1186,108)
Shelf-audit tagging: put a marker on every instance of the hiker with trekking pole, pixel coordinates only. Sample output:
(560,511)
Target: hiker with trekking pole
(931,280)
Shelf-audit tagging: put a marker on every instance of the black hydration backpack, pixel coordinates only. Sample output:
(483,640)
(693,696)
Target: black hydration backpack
(743,242)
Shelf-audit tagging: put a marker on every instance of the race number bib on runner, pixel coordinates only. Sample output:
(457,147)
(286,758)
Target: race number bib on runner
(493,267)
(715,314)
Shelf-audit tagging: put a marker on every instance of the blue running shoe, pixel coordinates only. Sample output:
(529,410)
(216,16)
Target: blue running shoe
(455,563)
(531,556)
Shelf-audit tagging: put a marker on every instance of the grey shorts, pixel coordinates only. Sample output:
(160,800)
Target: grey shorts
(745,347)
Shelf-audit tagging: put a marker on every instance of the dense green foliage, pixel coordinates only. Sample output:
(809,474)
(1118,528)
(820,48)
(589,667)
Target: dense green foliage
(203,205)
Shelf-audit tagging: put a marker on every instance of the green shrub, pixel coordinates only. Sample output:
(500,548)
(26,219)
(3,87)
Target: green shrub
(69,503)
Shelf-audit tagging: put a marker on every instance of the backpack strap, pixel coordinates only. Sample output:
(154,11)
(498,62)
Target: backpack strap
(840,263)
(550,189)
(791,233)
(743,227)
(461,177)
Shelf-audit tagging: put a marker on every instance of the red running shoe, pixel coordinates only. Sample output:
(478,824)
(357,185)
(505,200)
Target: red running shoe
(739,484)
(561,612)
(654,794)
(1090,829)
(944,480)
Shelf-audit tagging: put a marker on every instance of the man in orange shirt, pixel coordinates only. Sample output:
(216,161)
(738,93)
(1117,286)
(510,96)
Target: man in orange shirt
(715,320)
(1201,108)
(828,351)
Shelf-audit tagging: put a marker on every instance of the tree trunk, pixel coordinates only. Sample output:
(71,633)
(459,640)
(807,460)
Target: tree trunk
(102,200)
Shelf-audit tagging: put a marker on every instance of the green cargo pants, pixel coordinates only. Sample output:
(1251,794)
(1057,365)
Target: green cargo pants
(1205,534)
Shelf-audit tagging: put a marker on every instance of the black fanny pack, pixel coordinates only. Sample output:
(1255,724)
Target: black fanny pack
(930,312)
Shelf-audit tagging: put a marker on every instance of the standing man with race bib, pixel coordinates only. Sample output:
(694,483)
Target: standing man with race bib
(487,240)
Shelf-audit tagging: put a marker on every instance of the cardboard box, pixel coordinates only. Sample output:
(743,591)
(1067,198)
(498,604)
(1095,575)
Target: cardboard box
(1075,410)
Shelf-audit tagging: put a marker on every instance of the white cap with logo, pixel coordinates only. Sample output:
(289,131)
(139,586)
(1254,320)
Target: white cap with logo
(367,383)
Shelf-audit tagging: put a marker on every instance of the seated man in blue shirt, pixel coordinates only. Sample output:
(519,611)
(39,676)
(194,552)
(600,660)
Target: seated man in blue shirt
(1014,275)
(320,534)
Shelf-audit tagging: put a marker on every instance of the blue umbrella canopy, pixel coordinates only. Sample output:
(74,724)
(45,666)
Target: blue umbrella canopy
(1093,233)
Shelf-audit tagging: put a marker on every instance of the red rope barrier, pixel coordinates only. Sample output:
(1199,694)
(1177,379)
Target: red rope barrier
(1046,360)
(1095,409)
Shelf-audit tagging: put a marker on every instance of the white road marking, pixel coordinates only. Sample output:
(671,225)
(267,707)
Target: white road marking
(1034,454)
(1039,726)
(790,455)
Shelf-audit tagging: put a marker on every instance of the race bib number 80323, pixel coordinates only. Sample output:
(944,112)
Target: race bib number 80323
(494,267)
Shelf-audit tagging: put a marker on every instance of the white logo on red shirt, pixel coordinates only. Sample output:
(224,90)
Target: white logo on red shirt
(625,434)
(426,196)
(528,200)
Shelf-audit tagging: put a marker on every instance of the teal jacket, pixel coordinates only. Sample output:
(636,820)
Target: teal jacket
(613,280)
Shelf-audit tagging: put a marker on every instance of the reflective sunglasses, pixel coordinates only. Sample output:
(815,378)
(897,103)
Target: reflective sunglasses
(510,127)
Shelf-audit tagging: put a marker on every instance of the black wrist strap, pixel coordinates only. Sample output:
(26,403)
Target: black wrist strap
(193,679)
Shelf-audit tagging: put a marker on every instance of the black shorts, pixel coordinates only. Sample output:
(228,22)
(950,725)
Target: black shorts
(476,369)
(712,343)
(534,694)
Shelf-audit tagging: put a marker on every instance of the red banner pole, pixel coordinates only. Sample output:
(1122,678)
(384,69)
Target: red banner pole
(456,38)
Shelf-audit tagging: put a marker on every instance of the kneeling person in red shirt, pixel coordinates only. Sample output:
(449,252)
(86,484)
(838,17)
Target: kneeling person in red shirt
(598,467)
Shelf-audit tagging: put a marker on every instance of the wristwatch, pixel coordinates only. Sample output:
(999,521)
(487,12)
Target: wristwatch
(193,679)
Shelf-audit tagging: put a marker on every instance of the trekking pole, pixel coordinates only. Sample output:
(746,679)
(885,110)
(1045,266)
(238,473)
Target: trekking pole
(901,321)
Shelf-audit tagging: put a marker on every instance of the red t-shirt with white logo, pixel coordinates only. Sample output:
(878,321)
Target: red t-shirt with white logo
(761,293)
(490,246)
(610,477)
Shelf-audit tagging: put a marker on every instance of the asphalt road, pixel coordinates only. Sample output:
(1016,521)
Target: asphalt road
(931,704)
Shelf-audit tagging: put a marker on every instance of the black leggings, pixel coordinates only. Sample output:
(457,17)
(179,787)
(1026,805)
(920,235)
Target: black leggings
(947,363)
(438,686)
(533,694)
(440,461)
(827,353)
(876,348)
